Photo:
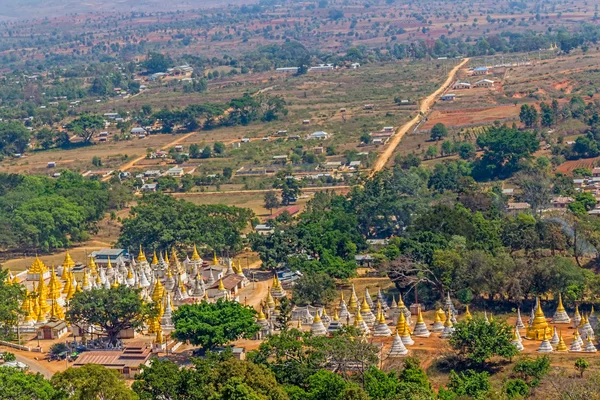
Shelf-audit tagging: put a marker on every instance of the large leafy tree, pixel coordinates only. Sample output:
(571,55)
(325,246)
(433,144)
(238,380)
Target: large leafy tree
(314,288)
(214,324)
(504,150)
(160,221)
(477,340)
(113,309)
(216,377)
(86,126)
(14,138)
(92,381)
(18,385)
(11,296)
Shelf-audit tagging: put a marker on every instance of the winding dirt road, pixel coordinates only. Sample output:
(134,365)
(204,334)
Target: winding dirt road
(423,110)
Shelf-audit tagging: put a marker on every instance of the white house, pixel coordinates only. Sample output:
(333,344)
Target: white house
(175,172)
(462,85)
(484,83)
(138,131)
(320,135)
(481,71)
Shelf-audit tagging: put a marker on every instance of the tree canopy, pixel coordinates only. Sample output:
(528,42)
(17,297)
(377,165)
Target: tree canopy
(113,309)
(11,297)
(214,324)
(159,221)
(92,381)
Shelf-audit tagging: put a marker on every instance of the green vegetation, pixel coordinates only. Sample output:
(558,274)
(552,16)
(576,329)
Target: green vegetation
(161,222)
(11,296)
(90,382)
(212,325)
(39,213)
(477,340)
(113,309)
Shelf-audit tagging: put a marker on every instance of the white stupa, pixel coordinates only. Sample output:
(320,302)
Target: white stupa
(398,349)
(381,328)
(589,346)
(576,317)
(555,339)
(335,323)
(519,324)
(516,342)
(368,299)
(575,345)
(420,329)
(545,347)
(560,316)
(448,327)
(317,328)
(382,300)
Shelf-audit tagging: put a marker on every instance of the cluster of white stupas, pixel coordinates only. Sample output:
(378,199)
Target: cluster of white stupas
(165,280)
(552,338)
(374,318)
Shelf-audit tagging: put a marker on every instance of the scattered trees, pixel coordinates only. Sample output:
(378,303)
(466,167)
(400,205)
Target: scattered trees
(92,381)
(271,200)
(11,296)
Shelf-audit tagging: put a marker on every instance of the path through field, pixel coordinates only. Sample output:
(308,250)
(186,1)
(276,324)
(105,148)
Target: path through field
(423,110)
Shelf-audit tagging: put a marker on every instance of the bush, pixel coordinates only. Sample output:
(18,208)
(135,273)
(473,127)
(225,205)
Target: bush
(532,371)
(8,357)
(516,388)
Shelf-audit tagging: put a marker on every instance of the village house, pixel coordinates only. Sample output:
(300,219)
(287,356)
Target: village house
(448,97)
(320,135)
(53,329)
(484,83)
(138,131)
(481,71)
(596,172)
(152,173)
(264,229)
(175,172)
(562,201)
(461,85)
(116,256)
(149,187)
(515,208)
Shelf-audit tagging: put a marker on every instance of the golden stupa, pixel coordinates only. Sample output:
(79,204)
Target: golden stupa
(539,329)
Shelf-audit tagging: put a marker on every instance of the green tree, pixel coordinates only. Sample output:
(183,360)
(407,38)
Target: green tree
(194,150)
(314,288)
(365,138)
(92,382)
(206,152)
(271,200)
(113,309)
(447,147)
(466,151)
(14,138)
(11,297)
(46,137)
(96,161)
(529,116)
(86,126)
(439,131)
(504,151)
(8,357)
(477,341)
(18,385)
(548,116)
(432,152)
(219,148)
(214,324)
(532,371)
(157,62)
(581,364)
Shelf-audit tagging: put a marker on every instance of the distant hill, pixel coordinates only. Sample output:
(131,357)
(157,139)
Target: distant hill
(27,9)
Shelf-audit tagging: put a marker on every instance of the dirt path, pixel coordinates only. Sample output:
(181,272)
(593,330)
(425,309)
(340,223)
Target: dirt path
(308,189)
(130,164)
(423,109)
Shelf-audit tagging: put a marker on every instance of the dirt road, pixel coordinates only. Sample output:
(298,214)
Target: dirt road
(305,190)
(423,109)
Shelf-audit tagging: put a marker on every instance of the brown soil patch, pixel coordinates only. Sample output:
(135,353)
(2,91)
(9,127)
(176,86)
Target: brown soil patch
(568,166)
(470,116)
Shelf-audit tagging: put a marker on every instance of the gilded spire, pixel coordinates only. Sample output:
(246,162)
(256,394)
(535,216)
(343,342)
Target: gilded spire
(364,306)
(54,286)
(261,315)
(195,255)
(561,343)
(154,258)
(109,265)
(560,307)
(221,286)
(141,256)
(317,317)
(68,263)
(420,317)
(215,261)
(468,315)
(336,317)
(448,322)
(92,265)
